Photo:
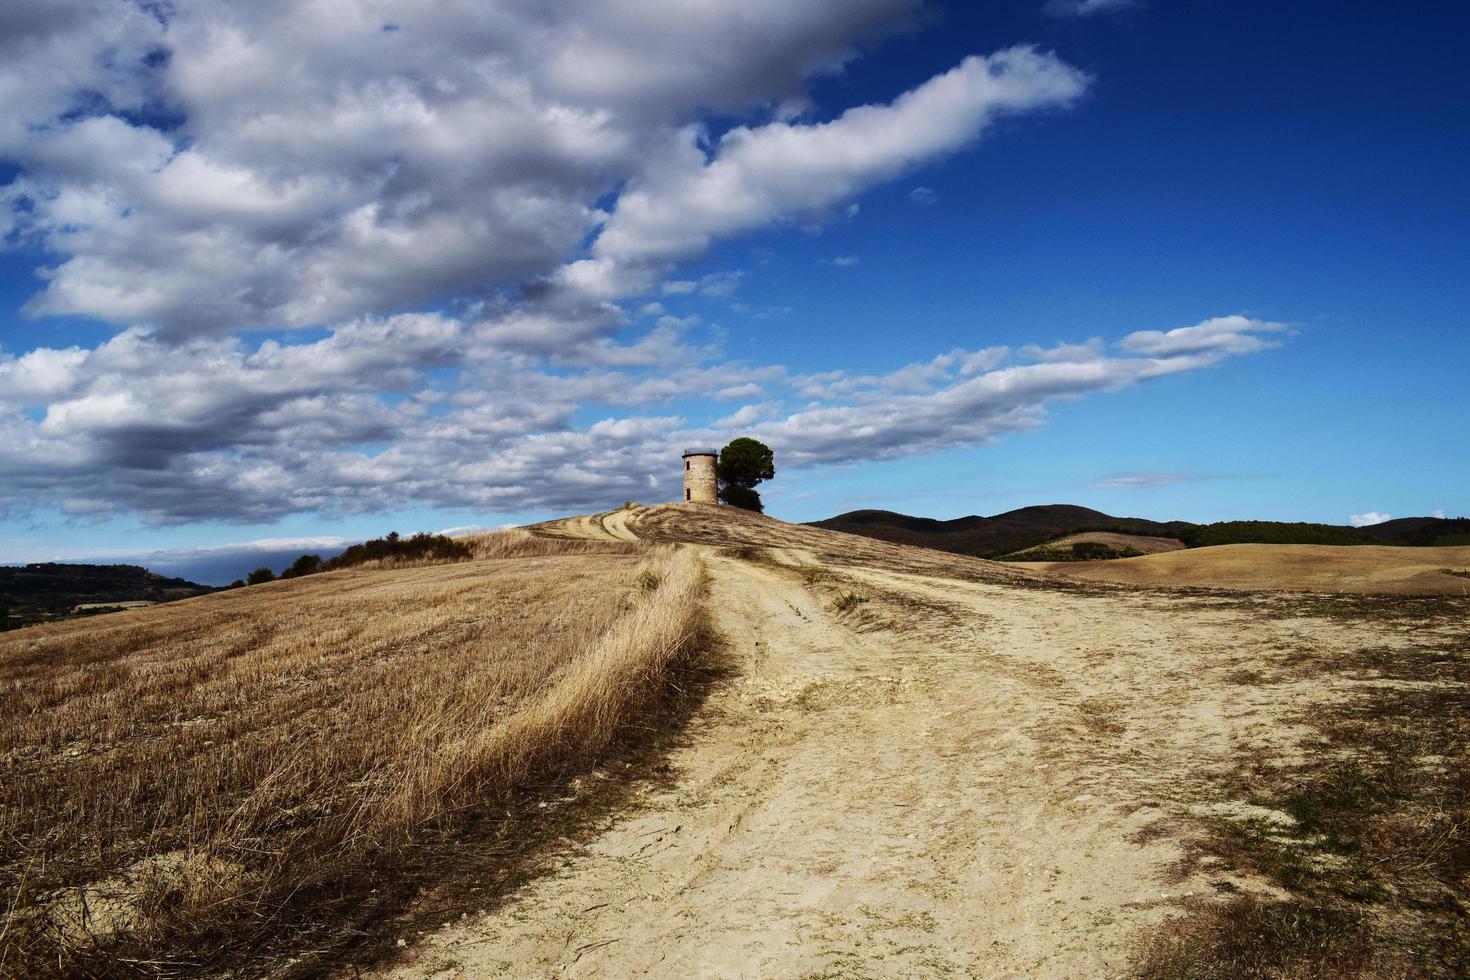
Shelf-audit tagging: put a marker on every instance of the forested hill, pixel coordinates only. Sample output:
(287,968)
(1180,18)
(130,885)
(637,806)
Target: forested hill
(1016,530)
(38,592)
(990,537)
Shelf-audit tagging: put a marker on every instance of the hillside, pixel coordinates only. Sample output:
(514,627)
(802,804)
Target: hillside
(992,537)
(685,741)
(921,768)
(1422,531)
(1029,527)
(297,752)
(51,590)
(1094,545)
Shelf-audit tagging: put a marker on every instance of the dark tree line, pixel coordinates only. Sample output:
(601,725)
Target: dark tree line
(418,547)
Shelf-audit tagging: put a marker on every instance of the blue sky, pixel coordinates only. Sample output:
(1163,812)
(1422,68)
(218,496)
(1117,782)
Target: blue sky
(1258,212)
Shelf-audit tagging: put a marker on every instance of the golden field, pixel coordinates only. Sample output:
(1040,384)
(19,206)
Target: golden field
(177,779)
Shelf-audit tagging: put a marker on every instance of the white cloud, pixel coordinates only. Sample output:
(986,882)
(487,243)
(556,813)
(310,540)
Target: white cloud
(746,415)
(672,211)
(1085,8)
(1217,336)
(1370,518)
(206,165)
(1438,514)
(923,196)
(845,261)
(1136,481)
(352,422)
(525,169)
(747,390)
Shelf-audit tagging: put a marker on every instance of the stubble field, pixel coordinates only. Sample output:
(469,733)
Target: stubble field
(914,764)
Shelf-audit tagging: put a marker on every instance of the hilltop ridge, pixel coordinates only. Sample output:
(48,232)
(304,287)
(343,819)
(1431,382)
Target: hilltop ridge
(992,537)
(1027,527)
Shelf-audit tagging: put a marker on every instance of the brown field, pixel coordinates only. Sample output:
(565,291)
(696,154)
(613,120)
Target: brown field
(929,765)
(917,764)
(1290,567)
(179,779)
(1138,542)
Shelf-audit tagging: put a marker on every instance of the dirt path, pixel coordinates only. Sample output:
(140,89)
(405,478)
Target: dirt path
(949,779)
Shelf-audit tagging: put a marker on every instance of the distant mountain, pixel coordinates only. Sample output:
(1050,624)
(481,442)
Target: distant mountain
(51,590)
(1016,530)
(991,537)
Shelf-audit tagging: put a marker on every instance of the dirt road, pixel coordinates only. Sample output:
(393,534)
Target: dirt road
(945,778)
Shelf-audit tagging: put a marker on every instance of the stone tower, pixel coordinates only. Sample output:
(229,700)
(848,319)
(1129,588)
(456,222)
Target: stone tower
(699,476)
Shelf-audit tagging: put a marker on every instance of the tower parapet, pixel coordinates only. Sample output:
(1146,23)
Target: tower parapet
(700,484)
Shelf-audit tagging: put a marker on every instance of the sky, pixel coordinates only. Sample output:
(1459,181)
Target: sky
(285,274)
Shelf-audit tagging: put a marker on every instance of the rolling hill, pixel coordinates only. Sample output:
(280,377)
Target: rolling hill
(991,537)
(50,590)
(688,740)
(1286,567)
(1026,528)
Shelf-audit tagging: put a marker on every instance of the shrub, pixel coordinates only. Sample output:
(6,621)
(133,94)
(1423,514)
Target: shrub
(305,565)
(260,576)
(421,547)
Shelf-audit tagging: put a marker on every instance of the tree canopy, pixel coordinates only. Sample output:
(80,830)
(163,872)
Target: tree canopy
(744,463)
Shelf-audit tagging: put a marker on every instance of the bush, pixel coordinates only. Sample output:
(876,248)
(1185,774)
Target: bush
(305,565)
(421,547)
(260,576)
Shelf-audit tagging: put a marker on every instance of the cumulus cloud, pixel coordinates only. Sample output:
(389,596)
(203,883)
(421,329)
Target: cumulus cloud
(672,211)
(475,215)
(1369,519)
(205,165)
(232,433)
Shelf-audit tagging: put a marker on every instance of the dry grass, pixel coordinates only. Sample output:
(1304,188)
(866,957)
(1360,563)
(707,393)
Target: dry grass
(746,533)
(519,543)
(184,783)
(1143,543)
(1371,843)
(1288,567)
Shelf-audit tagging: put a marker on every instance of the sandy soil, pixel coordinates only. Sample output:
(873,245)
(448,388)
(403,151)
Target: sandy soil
(954,777)
(1290,567)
